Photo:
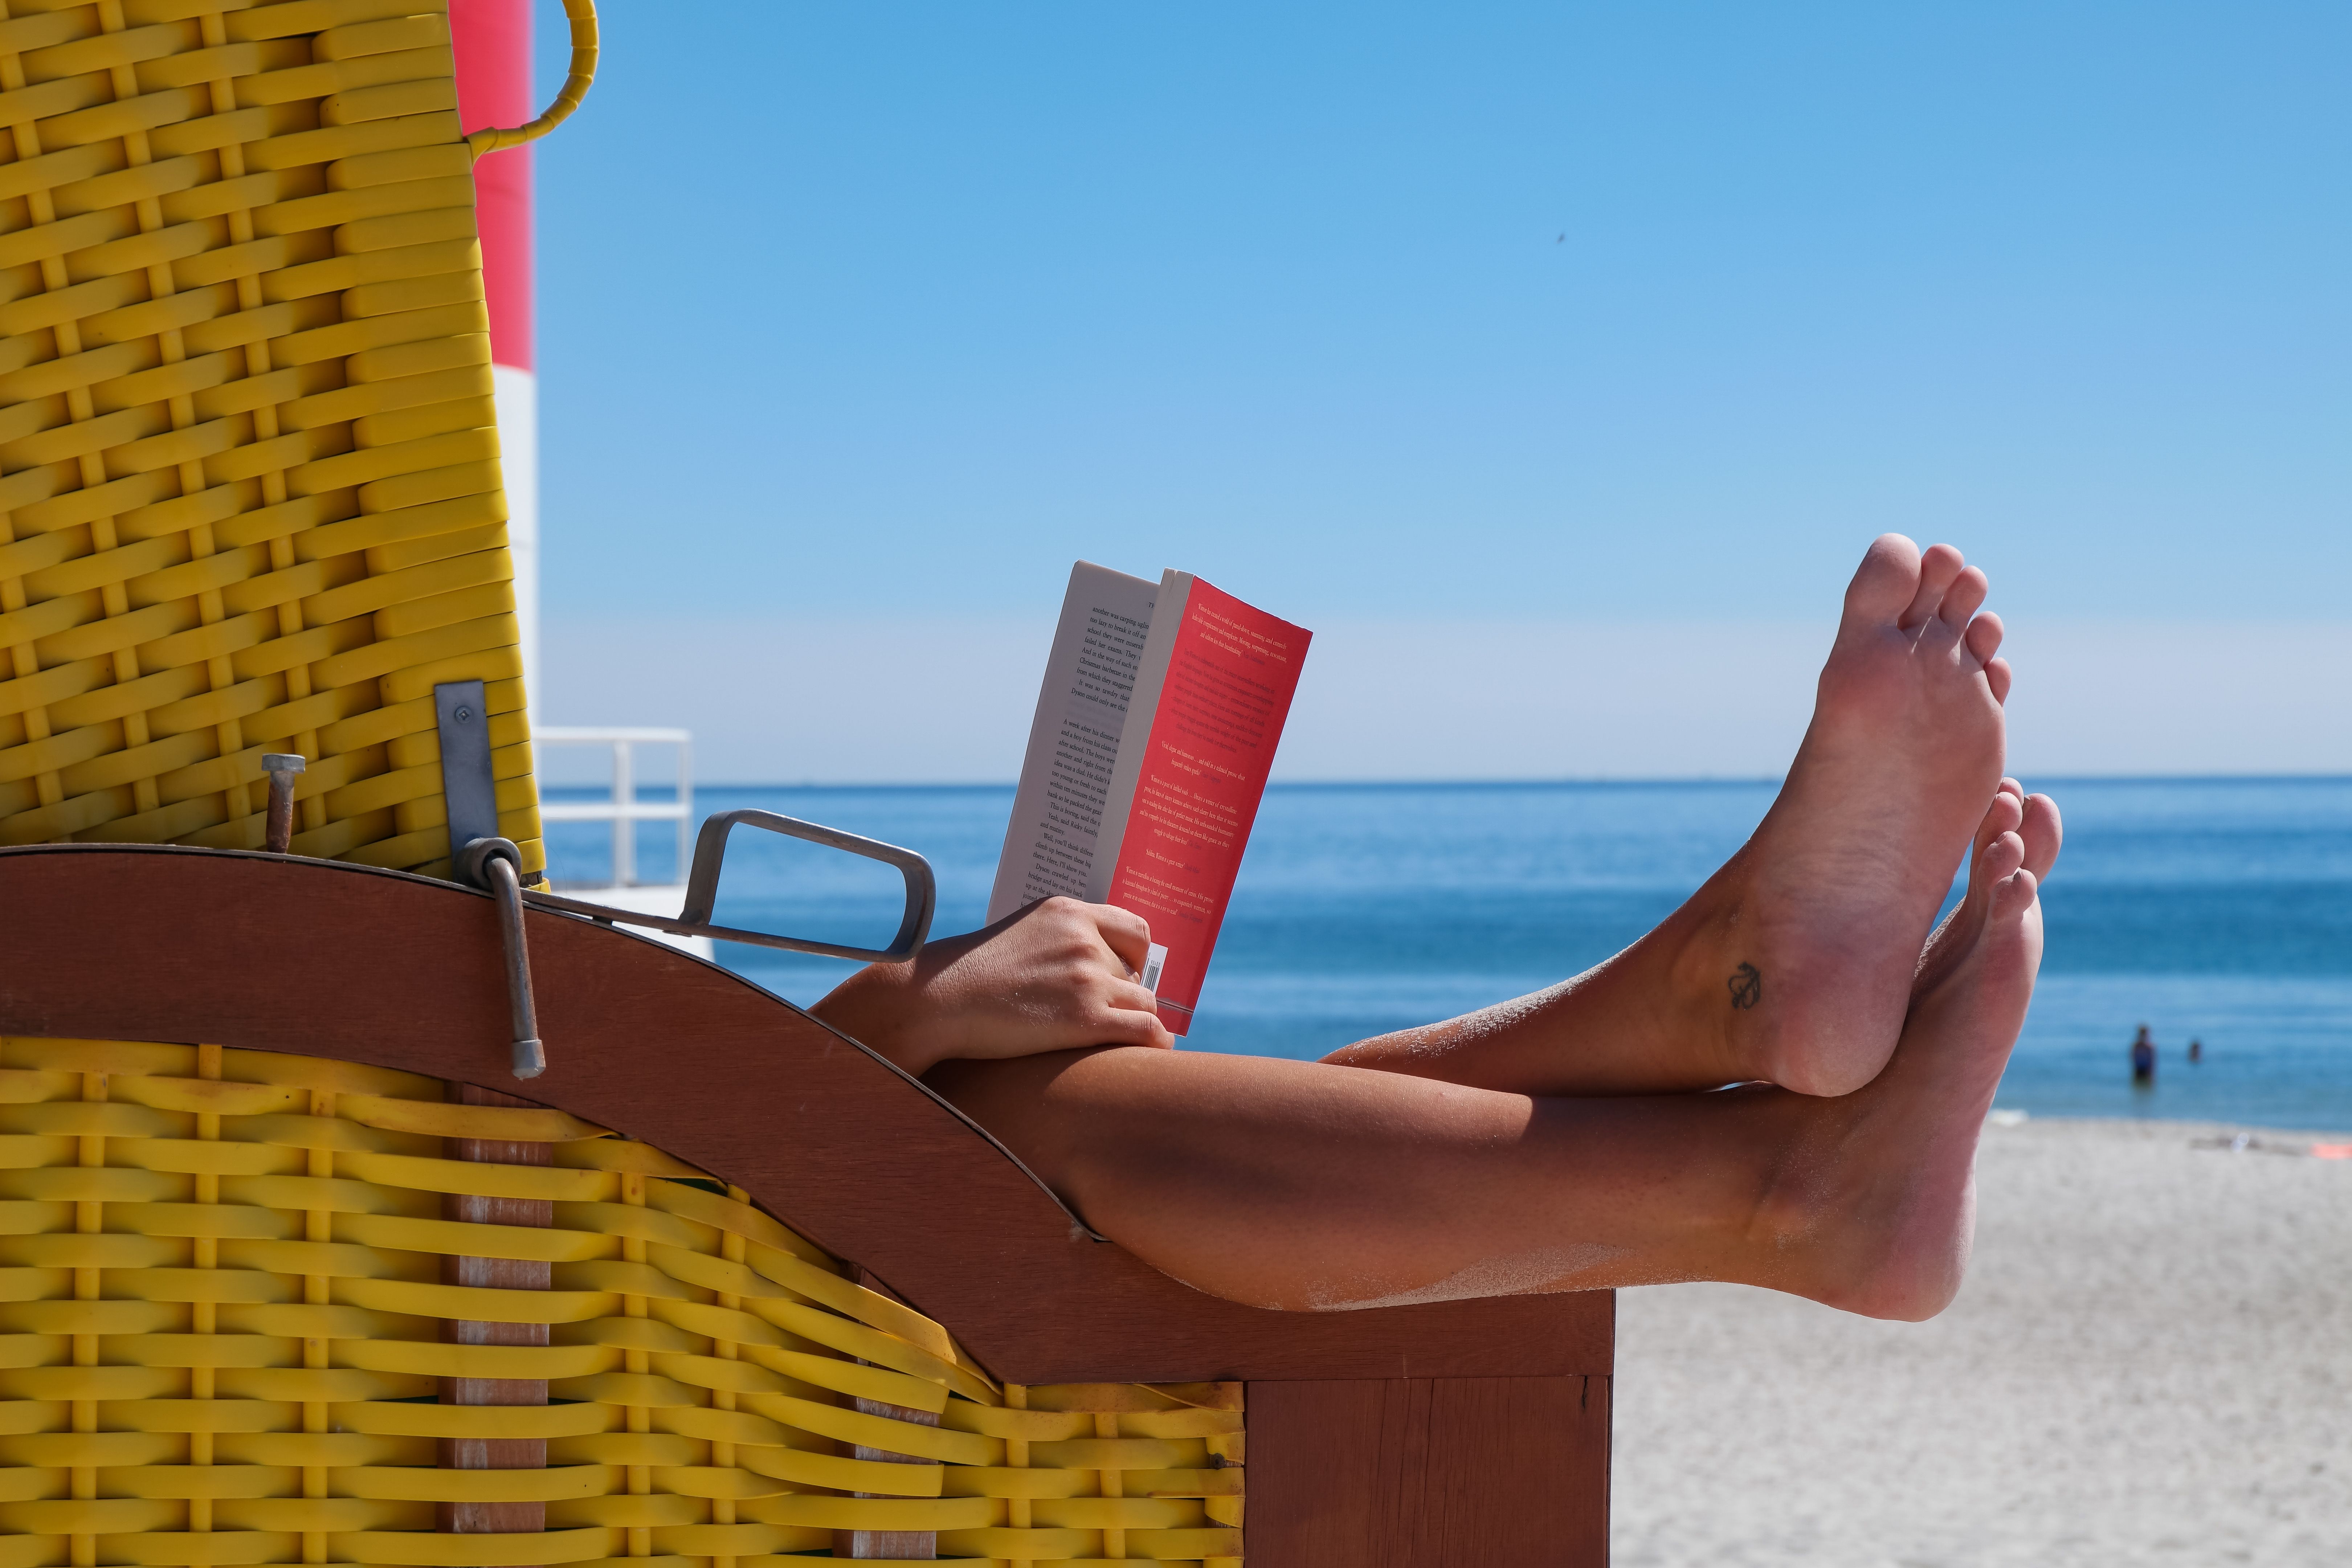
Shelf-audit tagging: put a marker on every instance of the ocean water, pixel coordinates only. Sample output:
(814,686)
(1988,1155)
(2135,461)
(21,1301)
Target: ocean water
(2214,910)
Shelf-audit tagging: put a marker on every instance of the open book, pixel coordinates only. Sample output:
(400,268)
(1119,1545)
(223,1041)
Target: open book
(1157,722)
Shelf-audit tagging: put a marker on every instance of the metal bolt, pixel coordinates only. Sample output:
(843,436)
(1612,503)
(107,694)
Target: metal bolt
(464,715)
(277,827)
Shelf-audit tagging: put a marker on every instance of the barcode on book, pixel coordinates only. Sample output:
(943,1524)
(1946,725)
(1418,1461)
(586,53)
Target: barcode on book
(1153,962)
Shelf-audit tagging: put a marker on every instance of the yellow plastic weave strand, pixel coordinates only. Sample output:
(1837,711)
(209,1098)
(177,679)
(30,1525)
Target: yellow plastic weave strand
(250,487)
(221,1330)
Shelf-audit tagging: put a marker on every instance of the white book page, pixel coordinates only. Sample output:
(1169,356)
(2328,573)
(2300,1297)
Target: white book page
(1049,846)
(1151,676)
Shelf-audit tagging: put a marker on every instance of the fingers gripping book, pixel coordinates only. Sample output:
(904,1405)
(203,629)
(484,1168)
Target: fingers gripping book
(1158,720)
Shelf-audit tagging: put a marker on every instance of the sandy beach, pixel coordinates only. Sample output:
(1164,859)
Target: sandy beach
(2151,1362)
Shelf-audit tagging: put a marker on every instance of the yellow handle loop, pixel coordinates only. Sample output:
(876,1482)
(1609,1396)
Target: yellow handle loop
(583,16)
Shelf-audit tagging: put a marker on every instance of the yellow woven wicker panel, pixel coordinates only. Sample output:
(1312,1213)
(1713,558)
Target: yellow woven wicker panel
(222,1332)
(250,487)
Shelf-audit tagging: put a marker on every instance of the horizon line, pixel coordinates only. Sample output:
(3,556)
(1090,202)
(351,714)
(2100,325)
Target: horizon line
(1695,781)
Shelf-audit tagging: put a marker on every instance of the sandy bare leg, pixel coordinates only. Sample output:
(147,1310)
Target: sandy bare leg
(1795,963)
(1303,1185)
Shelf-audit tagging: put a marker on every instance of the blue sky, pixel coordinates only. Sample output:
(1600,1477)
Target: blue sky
(875,315)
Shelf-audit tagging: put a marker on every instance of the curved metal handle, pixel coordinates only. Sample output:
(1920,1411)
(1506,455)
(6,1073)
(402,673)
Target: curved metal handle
(583,16)
(702,891)
(496,864)
(711,849)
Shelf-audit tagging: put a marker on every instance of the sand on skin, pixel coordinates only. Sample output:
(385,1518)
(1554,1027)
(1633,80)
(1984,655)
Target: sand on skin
(2151,1362)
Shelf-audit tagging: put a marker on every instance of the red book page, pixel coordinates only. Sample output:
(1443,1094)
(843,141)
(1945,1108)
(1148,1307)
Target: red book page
(1231,675)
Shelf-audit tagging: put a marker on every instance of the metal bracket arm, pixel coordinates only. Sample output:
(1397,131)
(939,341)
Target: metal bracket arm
(702,891)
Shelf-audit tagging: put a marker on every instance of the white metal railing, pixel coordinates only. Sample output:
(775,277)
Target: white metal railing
(624,810)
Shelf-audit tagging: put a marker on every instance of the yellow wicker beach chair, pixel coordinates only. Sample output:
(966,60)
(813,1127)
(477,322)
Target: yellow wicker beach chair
(250,488)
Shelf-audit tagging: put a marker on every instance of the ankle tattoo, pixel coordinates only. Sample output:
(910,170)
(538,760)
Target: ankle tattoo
(1747,985)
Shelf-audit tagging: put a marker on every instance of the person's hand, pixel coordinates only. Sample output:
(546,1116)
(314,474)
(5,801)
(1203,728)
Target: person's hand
(1054,976)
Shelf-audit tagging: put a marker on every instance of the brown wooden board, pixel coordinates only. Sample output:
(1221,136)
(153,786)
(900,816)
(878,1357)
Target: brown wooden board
(1449,1472)
(326,959)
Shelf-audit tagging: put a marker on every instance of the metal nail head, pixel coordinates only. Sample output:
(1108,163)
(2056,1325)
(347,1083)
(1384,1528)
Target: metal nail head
(277,826)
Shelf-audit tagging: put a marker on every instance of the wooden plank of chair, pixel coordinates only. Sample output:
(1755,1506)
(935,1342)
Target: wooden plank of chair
(1469,1472)
(326,959)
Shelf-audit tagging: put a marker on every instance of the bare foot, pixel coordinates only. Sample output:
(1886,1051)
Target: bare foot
(1876,1207)
(1807,942)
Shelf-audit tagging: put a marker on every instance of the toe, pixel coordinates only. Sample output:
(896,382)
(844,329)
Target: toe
(1983,637)
(2043,833)
(1987,863)
(2005,814)
(2011,786)
(1996,676)
(1963,599)
(2004,855)
(2015,896)
(1887,583)
(1938,565)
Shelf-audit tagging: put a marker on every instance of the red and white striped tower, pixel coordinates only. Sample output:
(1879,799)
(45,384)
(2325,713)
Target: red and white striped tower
(492,42)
